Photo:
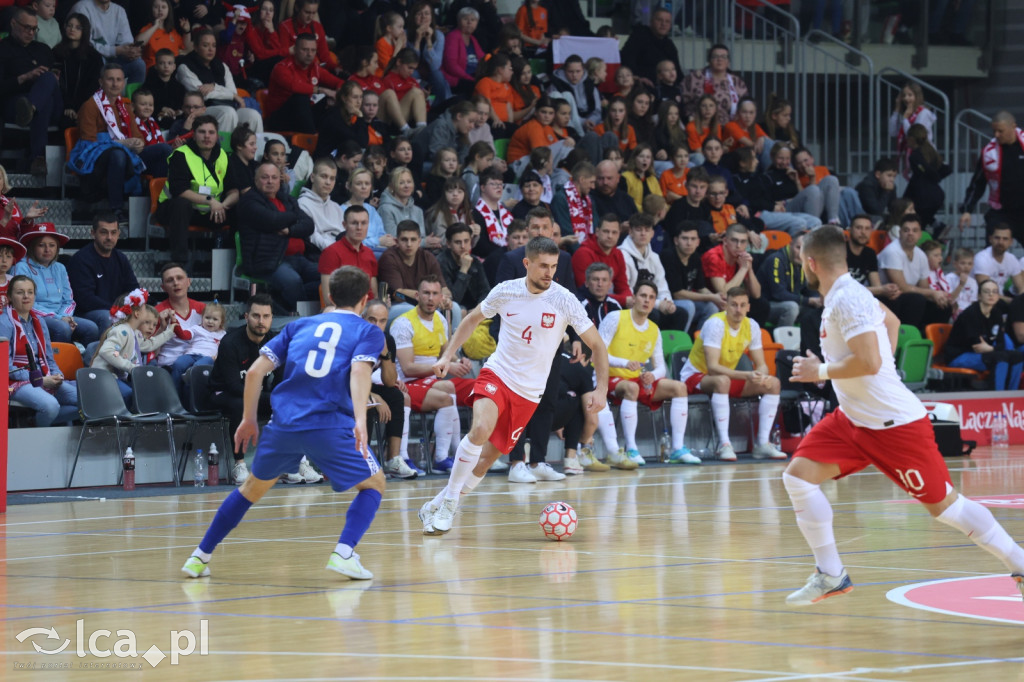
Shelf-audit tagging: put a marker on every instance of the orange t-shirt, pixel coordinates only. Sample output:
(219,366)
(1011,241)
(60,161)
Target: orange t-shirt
(624,145)
(671,183)
(723,218)
(518,103)
(499,95)
(540,22)
(737,132)
(820,173)
(160,39)
(385,50)
(694,139)
(528,137)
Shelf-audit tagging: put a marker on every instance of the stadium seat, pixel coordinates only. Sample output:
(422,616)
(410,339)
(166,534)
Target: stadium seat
(908,332)
(238,276)
(878,240)
(914,359)
(197,397)
(501,148)
(777,239)
(938,334)
(68,357)
(787,337)
(770,349)
(305,141)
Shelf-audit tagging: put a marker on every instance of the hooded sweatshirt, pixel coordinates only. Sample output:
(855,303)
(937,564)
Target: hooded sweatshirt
(588,102)
(649,261)
(328,218)
(393,212)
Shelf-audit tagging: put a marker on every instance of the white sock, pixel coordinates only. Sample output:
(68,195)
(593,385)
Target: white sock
(204,556)
(471,483)
(456,430)
(678,411)
(404,448)
(404,128)
(720,411)
(766,417)
(421,124)
(606,427)
(465,461)
(977,523)
(814,517)
(344,551)
(439,498)
(443,432)
(627,413)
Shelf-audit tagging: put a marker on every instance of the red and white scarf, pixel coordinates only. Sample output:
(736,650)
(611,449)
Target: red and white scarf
(150,130)
(497,225)
(992,164)
(581,212)
(901,134)
(734,97)
(119,122)
(19,344)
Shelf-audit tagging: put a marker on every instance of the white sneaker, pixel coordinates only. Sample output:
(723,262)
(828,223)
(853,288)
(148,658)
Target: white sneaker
(309,474)
(635,457)
(571,466)
(770,451)
(445,515)
(426,514)
(820,586)
(619,460)
(520,473)
(292,478)
(239,472)
(726,453)
(397,467)
(544,472)
(589,461)
(498,466)
(349,567)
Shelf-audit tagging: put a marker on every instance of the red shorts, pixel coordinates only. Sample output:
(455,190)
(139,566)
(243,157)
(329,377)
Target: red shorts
(418,391)
(646,394)
(514,411)
(735,385)
(906,454)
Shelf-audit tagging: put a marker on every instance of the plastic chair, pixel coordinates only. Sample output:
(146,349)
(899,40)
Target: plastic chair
(307,141)
(787,337)
(501,148)
(154,391)
(913,363)
(674,341)
(770,349)
(907,333)
(100,404)
(130,89)
(777,239)
(938,334)
(878,240)
(197,379)
(237,274)
(68,357)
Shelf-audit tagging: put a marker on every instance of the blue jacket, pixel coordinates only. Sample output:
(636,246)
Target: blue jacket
(53,288)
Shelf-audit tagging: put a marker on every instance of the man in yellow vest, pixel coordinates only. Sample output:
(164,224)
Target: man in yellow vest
(421,335)
(633,340)
(711,368)
(194,193)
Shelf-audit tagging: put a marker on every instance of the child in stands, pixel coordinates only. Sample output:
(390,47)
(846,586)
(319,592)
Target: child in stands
(203,341)
(11,251)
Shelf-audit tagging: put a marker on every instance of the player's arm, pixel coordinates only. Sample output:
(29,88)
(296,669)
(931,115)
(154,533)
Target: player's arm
(388,370)
(248,429)
(598,398)
(407,358)
(359,386)
(462,334)
(864,360)
(892,327)
(758,361)
(715,368)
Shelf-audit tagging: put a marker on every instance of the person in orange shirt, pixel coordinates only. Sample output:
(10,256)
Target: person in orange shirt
(390,39)
(524,93)
(724,214)
(532,20)
(162,33)
(673,180)
(495,86)
(615,124)
(537,132)
(704,124)
(841,203)
(744,131)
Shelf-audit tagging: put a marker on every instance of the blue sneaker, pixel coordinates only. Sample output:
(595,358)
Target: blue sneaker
(444,465)
(412,465)
(683,456)
(635,457)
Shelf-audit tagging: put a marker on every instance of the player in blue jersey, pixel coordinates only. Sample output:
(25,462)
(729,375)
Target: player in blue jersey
(318,410)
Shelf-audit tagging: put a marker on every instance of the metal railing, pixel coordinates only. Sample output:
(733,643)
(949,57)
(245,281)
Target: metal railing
(971,132)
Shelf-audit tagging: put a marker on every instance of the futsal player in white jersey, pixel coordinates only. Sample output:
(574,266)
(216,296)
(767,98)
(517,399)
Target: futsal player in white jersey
(879,421)
(535,312)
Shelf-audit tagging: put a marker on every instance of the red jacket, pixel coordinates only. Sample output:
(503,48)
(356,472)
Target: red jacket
(589,252)
(288,79)
(263,44)
(288,32)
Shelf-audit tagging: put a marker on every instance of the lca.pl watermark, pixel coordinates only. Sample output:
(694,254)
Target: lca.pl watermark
(99,645)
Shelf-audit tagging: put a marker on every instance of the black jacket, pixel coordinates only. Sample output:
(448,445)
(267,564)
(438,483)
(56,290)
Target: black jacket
(784,187)
(235,356)
(259,221)
(873,199)
(757,189)
(468,288)
(16,59)
(644,50)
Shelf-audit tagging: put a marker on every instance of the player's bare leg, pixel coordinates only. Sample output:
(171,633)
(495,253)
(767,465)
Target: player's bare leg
(678,410)
(361,512)
(485,416)
(769,390)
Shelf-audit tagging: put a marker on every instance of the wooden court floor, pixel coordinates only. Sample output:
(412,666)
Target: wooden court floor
(673,574)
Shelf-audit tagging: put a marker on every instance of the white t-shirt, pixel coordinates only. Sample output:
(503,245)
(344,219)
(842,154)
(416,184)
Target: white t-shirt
(610,325)
(968,295)
(532,326)
(894,258)
(175,347)
(878,401)
(401,331)
(986,264)
(712,332)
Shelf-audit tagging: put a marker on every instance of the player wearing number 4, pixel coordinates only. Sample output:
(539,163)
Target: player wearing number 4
(633,340)
(879,421)
(535,312)
(319,410)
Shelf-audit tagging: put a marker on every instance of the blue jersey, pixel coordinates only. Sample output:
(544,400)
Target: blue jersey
(317,354)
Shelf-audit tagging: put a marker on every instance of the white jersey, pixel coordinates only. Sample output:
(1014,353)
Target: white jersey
(878,401)
(532,327)
(401,332)
(986,264)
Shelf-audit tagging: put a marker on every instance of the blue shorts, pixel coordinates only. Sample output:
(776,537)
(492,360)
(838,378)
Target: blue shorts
(332,450)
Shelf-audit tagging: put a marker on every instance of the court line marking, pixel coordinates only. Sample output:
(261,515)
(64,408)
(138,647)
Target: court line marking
(899,596)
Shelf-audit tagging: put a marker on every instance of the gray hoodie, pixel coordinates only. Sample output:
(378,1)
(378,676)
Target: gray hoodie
(327,218)
(393,212)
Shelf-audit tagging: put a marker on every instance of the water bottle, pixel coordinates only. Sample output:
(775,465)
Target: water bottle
(776,437)
(198,464)
(213,465)
(1000,436)
(128,477)
(665,445)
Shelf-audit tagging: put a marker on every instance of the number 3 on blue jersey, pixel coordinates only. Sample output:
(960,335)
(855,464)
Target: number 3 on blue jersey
(327,346)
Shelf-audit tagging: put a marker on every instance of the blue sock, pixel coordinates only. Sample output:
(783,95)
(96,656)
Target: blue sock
(231,511)
(360,516)
(1001,370)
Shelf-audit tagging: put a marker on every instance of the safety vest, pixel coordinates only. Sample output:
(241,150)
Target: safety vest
(630,343)
(732,346)
(426,343)
(201,176)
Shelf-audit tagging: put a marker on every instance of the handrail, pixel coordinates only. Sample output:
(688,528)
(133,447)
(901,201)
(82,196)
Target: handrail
(942,144)
(963,160)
